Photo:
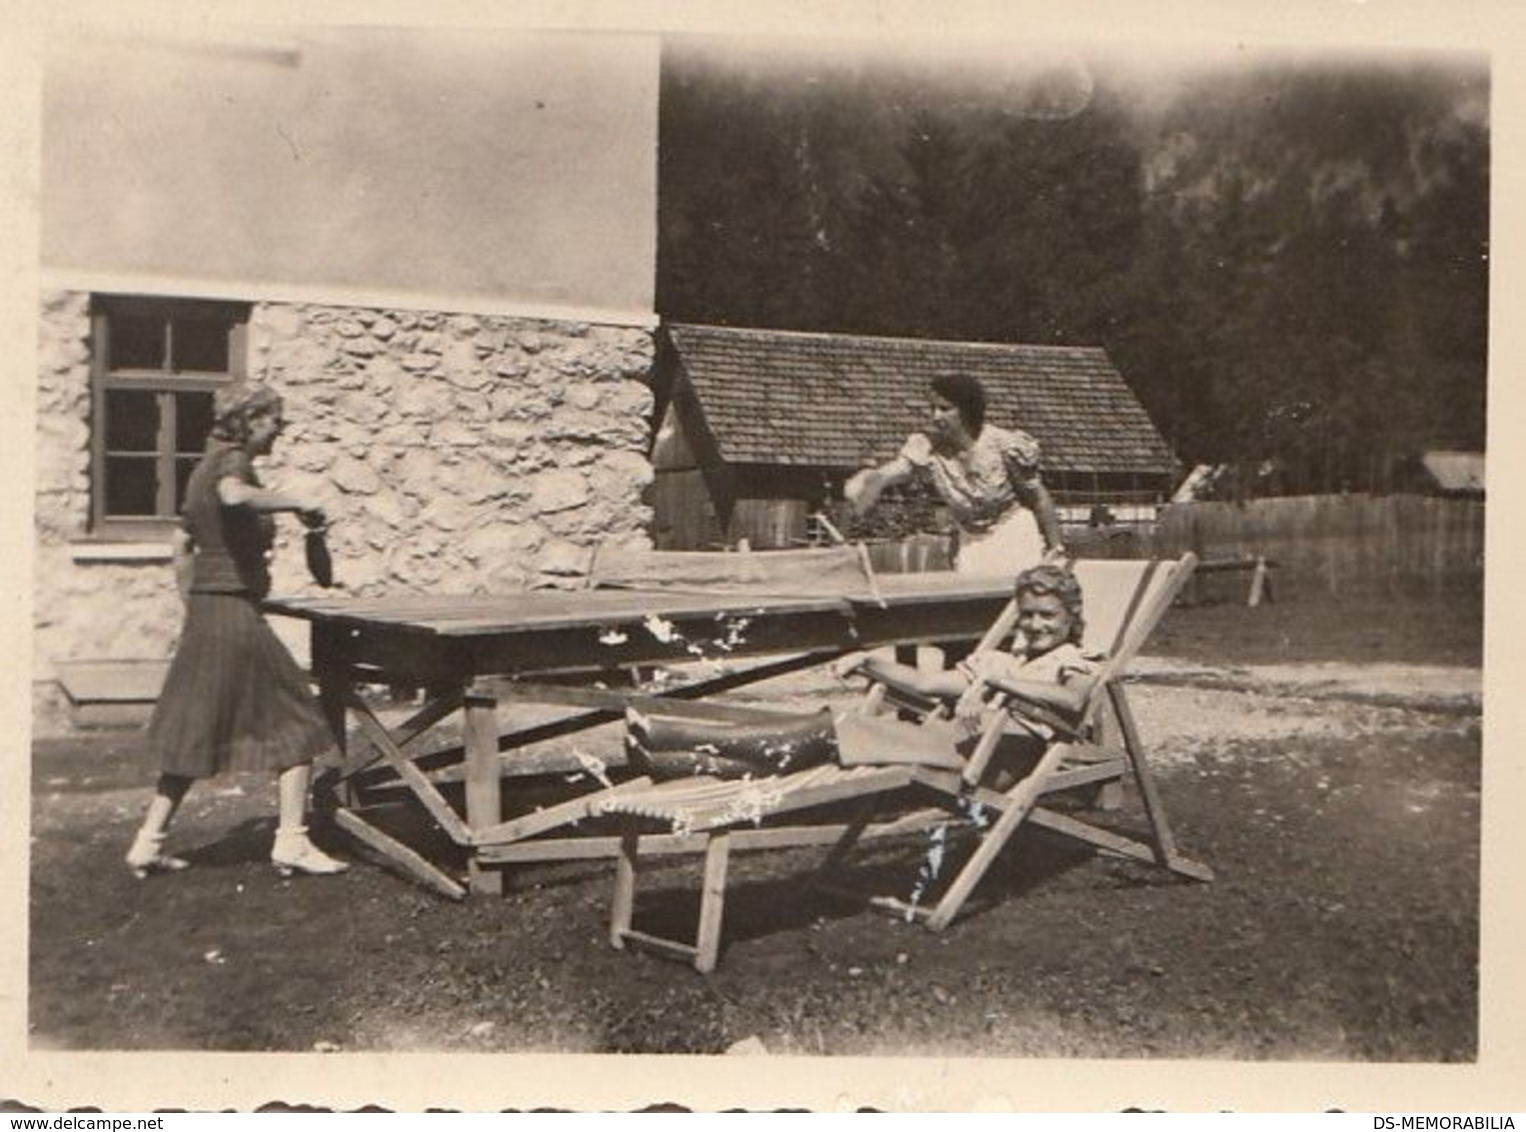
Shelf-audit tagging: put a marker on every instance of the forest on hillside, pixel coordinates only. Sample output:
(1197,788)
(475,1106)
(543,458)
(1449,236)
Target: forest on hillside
(1286,257)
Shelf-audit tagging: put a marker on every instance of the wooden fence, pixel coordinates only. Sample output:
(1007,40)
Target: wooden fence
(1334,543)
(1338,542)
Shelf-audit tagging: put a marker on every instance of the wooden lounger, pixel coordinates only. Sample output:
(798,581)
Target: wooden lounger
(1124,601)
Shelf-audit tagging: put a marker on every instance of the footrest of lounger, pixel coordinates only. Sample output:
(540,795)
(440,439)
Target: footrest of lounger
(712,808)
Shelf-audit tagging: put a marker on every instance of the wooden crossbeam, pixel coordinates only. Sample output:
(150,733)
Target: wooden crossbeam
(1111,842)
(394,854)
(669,947)
(551,817)
(712,902)
(613,701)
(406,735)
(439,809)
(603,847)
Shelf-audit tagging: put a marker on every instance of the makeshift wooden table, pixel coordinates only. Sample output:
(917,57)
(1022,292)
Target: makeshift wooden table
(579,649)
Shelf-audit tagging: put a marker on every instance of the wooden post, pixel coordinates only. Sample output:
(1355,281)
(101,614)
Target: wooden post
(1259,586)
(622,908)
(484,786)
(712,901)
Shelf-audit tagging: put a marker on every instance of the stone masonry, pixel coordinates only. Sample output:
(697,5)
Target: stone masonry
(453,453)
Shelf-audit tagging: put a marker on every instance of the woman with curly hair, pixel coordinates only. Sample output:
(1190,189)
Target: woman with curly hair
(234,699)
(988,476)
(1046,663)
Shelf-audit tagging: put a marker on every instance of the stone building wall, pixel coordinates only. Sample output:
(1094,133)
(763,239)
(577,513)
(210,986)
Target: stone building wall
(454,453)
(99,608)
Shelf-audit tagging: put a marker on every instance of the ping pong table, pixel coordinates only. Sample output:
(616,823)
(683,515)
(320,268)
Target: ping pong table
(593,651)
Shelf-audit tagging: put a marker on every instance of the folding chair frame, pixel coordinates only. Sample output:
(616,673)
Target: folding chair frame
(1020,802)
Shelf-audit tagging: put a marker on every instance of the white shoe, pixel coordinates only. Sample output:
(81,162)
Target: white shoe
(145,856)
(294,853)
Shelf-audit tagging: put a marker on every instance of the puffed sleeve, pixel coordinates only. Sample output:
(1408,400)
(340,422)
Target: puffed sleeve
(236,463)
(917,451)
(1020,452)
(1077,665)
(233,464)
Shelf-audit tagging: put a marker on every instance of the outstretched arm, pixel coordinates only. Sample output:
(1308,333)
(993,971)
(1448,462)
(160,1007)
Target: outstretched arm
(864,489)
(234,492)
(1068,697)
(942,684)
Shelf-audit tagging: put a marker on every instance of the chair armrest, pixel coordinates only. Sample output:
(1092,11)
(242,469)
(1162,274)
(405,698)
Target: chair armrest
(1066,725)
(923,706)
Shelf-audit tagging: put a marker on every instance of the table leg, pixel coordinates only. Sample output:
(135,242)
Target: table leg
(484,786)
(334,686)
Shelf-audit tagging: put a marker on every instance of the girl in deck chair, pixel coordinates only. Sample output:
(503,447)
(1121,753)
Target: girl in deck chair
(1046,667)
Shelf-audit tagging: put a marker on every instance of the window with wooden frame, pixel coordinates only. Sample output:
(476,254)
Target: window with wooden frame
(155,366)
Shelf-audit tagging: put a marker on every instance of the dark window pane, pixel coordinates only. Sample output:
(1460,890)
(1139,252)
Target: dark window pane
(200,345)
(132,421)
(184,466)
(130,484)
(137,341)
(193,420)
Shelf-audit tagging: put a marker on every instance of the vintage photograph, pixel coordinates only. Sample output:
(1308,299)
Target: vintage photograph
(593,541)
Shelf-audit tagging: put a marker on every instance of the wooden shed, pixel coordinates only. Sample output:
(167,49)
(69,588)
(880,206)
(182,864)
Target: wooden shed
(759,428)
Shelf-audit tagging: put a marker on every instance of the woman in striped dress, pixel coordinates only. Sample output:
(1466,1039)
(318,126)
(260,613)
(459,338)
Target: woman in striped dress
(234,699)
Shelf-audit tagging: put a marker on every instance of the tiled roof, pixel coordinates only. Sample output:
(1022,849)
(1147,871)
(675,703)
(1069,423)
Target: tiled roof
(839,400)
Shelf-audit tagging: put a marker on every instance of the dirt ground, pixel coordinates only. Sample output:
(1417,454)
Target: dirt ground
(1323,758)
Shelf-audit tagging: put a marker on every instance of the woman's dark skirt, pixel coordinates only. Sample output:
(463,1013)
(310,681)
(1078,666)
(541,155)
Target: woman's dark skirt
(234,698)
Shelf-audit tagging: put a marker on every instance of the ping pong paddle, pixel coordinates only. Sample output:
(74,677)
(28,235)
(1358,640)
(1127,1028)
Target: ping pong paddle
(320,563)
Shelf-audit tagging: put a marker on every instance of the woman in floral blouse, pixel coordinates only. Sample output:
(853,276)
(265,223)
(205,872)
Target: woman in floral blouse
(988,476)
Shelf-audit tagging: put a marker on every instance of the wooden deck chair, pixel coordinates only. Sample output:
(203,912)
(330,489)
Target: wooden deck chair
(1124,601)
